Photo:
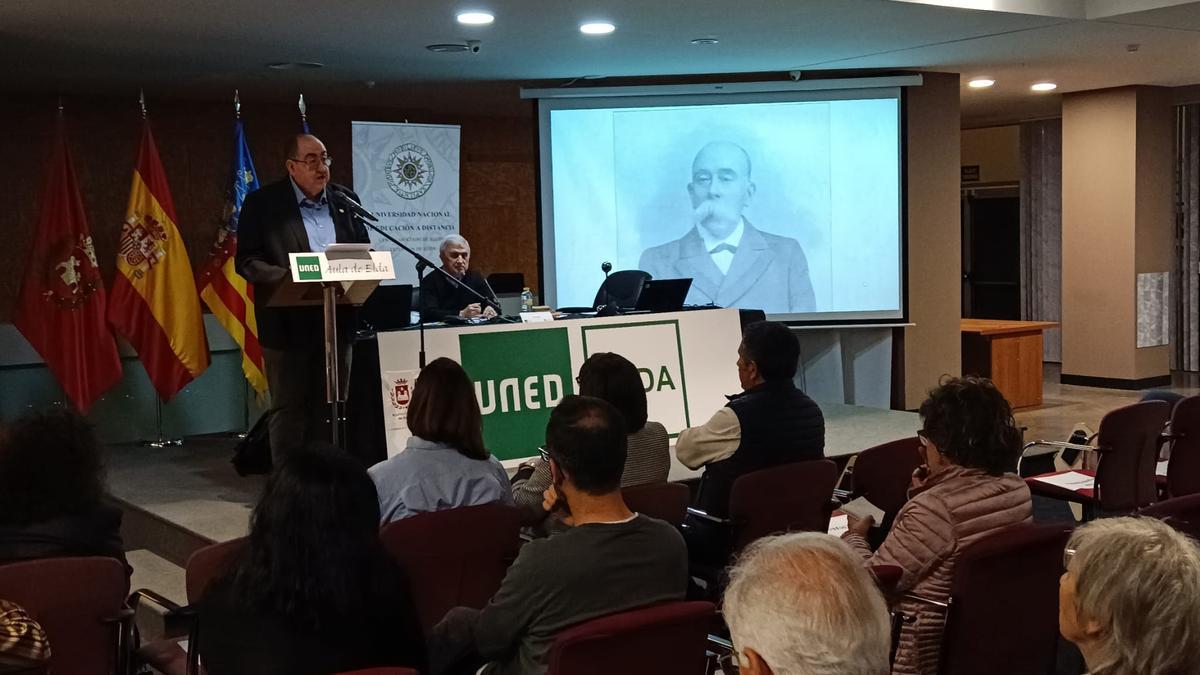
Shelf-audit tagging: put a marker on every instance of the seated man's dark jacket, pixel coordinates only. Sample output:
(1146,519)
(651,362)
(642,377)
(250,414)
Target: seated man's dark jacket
(269,228)
(441,298)
(779,424)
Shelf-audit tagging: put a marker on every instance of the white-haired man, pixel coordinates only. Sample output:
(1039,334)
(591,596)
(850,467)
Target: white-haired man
(441,297)
(803,604)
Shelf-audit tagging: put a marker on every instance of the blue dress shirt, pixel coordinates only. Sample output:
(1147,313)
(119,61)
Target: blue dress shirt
(318,222)
(429,476)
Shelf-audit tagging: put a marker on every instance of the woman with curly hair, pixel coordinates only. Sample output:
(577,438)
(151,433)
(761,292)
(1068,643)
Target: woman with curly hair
(966,489)
(52,490)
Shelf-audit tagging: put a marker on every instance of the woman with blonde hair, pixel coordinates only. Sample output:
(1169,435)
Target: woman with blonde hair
(1130,598)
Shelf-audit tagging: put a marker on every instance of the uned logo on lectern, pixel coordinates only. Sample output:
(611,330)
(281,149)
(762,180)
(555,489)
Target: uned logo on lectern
(519,377)
(309,268)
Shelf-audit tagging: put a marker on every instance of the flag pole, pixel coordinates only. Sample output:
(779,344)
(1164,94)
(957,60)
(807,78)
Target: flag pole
(160,440)
(303,114)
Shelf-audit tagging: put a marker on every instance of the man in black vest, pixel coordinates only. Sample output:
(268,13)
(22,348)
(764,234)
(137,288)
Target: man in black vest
(770,423)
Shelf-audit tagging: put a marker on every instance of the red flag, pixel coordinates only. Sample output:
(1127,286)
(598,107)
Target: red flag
(61,308)
(155,304)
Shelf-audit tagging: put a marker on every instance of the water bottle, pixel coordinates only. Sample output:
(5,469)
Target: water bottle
(526,300)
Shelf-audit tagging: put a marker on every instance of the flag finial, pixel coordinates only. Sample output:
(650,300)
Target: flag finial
(237,105)
(60,105)
(303,114)
(142,102)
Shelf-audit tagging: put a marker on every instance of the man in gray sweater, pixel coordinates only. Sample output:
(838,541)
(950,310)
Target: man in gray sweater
(610,560)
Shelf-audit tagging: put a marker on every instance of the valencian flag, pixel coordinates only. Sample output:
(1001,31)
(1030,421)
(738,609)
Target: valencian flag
(154,301)
(225,292)
(61,306)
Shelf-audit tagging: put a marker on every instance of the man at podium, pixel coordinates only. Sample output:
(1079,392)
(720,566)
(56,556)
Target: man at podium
(295,215)
(441,297)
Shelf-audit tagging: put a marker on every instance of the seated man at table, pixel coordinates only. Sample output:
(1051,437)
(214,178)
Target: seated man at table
(770,423)
(609,560)
(441,297)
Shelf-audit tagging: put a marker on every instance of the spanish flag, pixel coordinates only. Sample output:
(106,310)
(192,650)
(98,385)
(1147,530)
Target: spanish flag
(154,303)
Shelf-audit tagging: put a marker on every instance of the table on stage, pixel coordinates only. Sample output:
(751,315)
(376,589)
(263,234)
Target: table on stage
(687,360)
(1008,352)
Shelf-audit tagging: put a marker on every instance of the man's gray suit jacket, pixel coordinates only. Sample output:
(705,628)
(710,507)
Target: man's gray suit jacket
(768,272)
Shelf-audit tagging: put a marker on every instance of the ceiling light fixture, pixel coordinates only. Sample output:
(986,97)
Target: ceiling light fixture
(706,41)
(596,28)
(295,65)
(1044,86)
(448,47)
(981,83)
(475,18)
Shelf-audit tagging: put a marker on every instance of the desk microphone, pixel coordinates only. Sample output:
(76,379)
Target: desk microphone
(347,202)
(605,267)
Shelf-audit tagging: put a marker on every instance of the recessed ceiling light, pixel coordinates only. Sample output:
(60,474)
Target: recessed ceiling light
(449,47)
(476,18)
(705,41)
(296,65)
(596,28)
(1044,86)
(980,83)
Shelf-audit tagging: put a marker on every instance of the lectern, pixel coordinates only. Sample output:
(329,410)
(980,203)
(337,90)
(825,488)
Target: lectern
(345,274)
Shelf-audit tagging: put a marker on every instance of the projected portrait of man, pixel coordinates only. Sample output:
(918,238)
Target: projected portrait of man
(731,262)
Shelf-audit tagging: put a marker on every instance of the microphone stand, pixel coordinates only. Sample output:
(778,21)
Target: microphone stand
(423,264)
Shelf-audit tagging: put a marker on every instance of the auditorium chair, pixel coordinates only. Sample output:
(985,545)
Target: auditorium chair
(796,497)
(1002,615)
(664,501)
(1183,467)
(1127,448)
(1181,513)
(664,638)
(80,603)
(203,567)
(454,558)
(881,475)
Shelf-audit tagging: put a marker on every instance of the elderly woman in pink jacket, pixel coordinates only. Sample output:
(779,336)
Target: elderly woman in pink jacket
(966,490)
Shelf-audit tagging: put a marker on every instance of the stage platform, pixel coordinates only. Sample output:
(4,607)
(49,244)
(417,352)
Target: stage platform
(179,499)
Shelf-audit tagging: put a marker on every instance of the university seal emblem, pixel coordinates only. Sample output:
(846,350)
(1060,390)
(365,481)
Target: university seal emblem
(409,171)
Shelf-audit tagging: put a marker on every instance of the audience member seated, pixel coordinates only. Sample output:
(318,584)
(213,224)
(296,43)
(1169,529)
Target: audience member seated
(23,644)
(313,592)
(615,379)
(1130,598)
(52,490)
(444,465)
(770,423)
(610,560)
(801,604)
(965,490)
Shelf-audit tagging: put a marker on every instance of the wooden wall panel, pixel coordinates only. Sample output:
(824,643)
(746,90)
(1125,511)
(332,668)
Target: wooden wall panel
(498,212)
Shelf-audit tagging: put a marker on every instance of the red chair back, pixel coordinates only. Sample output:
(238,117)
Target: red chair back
(786,498)
(666,638)
(882,474)
(887,577)
(1129,439)
(208,564)
(454,558)
(1003,615)
(1183,469)
(1181,513)
(78,602)
(665,501)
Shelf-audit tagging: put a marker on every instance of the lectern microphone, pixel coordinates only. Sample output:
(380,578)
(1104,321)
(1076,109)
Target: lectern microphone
(347,202)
